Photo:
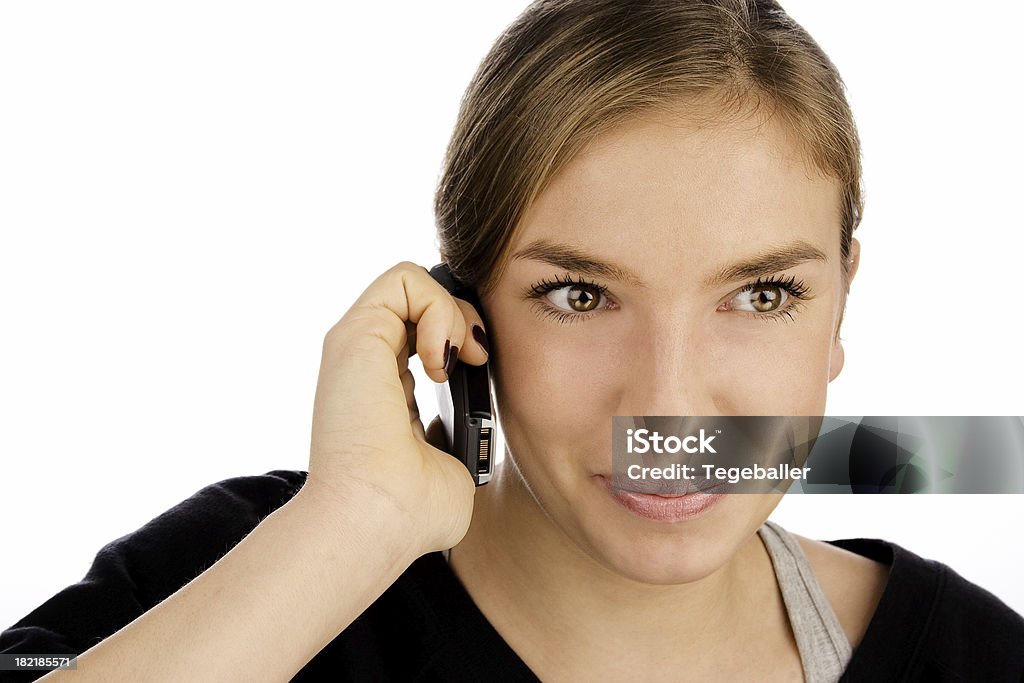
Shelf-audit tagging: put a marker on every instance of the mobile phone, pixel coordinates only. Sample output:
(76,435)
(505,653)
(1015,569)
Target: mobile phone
(464,401)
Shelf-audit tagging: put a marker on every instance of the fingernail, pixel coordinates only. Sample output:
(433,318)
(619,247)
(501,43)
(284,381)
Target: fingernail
(481,338)
(452,354)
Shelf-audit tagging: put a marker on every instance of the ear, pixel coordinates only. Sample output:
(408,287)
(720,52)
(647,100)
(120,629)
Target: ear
(838,355)
(854,256)
(836,359)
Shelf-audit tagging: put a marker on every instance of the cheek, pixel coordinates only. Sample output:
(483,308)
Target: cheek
(781,370)
(554,376)
(554,399)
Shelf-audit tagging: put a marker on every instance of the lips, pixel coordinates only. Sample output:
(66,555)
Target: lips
(676,507)
(668,487)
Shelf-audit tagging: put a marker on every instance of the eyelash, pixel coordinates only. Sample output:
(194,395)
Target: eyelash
(796,289)
(538,290)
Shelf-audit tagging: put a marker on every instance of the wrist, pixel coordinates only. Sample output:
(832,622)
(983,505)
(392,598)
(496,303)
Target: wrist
(357,514)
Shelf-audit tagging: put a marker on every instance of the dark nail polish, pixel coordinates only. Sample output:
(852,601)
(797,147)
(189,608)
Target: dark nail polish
(481,338)
(452,357)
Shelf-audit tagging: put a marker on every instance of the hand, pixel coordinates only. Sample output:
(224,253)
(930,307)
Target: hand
(366,426)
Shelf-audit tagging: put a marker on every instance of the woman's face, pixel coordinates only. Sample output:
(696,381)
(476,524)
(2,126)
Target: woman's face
(705,280)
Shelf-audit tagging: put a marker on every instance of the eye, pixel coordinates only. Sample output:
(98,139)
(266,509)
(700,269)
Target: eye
(763,299)
(771,299)
(569,300)
(578,298)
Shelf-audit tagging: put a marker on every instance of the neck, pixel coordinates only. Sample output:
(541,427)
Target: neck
(530,580)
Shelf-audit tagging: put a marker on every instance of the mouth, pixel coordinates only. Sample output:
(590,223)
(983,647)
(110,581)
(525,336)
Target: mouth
(674,503)
(667,488)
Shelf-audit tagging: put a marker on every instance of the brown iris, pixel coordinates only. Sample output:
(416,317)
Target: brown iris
(582,299)
(766,299)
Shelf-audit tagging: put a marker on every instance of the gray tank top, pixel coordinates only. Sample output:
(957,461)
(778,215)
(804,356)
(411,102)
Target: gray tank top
(824,648)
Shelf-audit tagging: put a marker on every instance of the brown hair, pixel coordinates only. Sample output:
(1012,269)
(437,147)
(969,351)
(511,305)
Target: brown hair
(566,70)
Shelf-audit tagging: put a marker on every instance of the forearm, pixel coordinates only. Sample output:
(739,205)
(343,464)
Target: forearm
(269,605)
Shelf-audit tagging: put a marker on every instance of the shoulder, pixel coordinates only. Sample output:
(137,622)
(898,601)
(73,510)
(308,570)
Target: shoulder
(131,574)
(930,623)
(222,511)
(853,583)
(184,540)
(258,493)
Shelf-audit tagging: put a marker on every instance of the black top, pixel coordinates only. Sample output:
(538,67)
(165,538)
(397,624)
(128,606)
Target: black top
(930,625)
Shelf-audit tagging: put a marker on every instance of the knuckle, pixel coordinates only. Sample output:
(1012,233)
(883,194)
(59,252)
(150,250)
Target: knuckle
(333,335)
(469,312)
(460,316)
(356,322)
(407,267)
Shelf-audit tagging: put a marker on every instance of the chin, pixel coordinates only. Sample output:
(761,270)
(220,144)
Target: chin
(665,543)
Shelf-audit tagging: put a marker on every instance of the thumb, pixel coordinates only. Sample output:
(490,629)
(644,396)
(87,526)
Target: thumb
(436,436)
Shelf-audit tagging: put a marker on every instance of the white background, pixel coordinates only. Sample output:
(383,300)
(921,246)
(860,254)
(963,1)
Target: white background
(192,193)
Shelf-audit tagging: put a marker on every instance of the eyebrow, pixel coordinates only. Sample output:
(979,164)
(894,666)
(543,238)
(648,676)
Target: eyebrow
(570,258)
(766,262)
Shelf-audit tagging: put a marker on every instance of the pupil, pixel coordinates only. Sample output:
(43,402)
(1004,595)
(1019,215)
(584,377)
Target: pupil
(580,299)
(766,299)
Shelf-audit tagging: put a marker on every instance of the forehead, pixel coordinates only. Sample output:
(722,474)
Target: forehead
(667,190)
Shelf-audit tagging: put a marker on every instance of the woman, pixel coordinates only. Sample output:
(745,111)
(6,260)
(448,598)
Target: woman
(655,202)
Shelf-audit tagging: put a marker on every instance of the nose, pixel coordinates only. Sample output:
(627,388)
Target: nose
(669,372)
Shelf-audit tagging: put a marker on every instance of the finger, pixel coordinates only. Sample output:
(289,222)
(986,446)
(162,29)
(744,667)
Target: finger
(407,293)
(409,386)
(410,336)
(436,436)
(475,350)
(374,331)
(417,426)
